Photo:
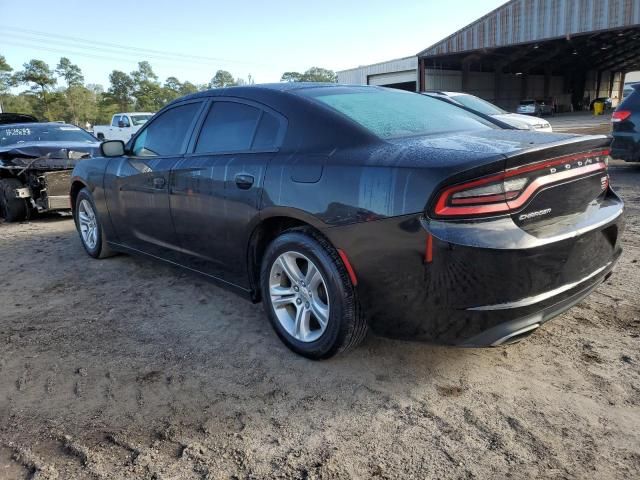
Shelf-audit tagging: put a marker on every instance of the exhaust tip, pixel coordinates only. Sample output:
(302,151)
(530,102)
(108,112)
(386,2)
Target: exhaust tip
(516,336)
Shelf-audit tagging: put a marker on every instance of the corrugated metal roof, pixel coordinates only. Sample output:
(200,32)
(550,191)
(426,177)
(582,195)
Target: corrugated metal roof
(526,21)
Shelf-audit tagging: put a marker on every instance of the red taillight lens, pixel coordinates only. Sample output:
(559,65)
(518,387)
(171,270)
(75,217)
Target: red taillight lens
(620,115)
(508,191)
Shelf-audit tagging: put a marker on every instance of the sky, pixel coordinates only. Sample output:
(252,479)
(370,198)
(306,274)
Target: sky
(192,39)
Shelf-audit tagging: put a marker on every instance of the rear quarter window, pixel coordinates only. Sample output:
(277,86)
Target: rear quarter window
(267,132)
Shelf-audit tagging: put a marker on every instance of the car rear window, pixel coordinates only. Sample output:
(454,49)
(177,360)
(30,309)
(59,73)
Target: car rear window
(478,104)
(394,113)
(631,101)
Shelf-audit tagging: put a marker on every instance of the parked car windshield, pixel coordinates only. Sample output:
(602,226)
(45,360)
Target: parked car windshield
(528,102)
(394,113)
(478,104)
(25,133)
(140,119)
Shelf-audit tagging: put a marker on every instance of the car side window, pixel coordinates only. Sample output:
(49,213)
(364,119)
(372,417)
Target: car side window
(229,127)
(267,133)
(166,134)
(115,121)
(125,121)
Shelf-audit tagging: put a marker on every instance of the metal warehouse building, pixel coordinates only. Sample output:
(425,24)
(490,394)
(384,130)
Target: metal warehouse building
(568,52)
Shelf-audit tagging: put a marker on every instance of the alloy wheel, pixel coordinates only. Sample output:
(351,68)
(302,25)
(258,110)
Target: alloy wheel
(299,296)
(88,224)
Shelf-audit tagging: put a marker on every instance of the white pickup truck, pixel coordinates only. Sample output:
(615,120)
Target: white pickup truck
(123,126)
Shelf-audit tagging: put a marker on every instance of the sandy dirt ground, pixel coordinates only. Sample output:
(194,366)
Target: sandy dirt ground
(127,369)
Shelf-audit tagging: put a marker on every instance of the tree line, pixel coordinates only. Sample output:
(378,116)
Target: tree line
(60,93)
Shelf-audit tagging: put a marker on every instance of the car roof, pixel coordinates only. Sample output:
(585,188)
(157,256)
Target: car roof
(274,87)
(37,124)
(134,113)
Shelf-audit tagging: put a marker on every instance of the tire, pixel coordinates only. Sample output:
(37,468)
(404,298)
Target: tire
(90,227)
(11,208)
(100,137)
(344,327)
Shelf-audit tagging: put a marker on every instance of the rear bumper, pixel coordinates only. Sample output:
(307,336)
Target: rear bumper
(513,330)
(487,283)
(626,146)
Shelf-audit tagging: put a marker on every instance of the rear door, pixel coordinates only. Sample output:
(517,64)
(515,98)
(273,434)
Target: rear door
(216,188)
(138,184)
(112,130)
(125,129)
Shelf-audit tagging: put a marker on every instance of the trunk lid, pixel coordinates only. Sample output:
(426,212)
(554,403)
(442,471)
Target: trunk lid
(542,178)
(570,175)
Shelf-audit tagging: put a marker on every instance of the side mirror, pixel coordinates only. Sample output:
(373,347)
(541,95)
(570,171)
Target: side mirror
(112,148)
(120,124)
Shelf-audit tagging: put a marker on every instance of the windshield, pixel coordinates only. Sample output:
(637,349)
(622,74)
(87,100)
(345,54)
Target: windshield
(478,104)
(17,134)
(394,113)
(140,119)
(527,102)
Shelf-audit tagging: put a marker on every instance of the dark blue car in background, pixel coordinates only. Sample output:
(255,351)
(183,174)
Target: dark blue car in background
(626,127)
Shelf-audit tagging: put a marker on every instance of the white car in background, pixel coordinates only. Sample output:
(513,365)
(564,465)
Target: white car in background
(123,126)
(516,120)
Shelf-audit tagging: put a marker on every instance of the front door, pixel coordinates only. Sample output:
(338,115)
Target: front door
(216,189)
(138,190)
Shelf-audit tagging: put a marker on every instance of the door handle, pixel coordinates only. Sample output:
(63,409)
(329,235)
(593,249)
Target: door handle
(244,181)
(159,182)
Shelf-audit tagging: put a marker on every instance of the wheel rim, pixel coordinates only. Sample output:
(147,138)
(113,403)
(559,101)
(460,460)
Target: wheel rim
(299,296)
(88,224)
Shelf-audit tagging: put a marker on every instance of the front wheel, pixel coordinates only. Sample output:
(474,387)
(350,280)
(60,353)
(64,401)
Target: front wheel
(89,226)
(12,209)
(308,296)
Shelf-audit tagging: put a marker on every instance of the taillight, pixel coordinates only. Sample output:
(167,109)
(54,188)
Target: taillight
(620,116)
(510,190)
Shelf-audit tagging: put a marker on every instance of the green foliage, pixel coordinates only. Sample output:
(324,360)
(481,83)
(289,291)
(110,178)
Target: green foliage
(40,78)
(78,103)
(6,81)
(70,72)
(121,90)
(38,73)
(188,88)
(6,78)
(222,79)
(314,74)
(144,73)
(22,103)
(291,77)
(149,95)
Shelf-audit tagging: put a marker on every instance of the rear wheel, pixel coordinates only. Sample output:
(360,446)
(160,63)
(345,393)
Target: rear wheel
(12,209)
(89,226)
(309,297)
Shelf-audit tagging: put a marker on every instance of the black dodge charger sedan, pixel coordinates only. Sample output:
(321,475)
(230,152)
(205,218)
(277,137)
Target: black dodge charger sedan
(345,208)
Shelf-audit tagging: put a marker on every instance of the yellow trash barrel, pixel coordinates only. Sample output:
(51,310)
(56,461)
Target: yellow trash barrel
(598,108)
